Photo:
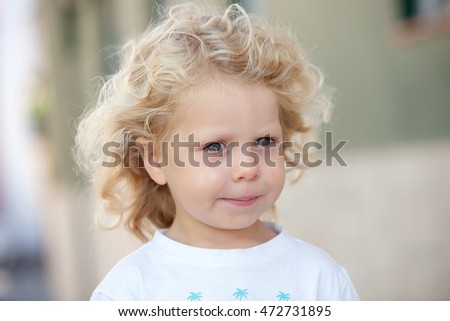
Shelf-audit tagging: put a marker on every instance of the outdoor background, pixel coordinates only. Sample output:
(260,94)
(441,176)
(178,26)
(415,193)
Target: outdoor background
(385,217)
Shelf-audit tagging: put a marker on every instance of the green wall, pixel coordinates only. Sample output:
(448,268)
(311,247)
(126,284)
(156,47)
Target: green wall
(385,93)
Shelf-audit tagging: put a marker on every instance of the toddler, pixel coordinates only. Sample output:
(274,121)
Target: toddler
(189,144)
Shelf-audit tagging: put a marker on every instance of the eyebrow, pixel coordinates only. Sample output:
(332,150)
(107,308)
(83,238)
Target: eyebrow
(223,135)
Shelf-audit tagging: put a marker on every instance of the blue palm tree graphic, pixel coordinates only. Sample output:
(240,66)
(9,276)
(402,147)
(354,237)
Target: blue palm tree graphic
(195,296)
(283,296)
(240,294)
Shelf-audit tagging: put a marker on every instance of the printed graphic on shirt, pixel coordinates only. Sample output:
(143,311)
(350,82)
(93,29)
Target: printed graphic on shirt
(240,294)
(283,296)
(195,296)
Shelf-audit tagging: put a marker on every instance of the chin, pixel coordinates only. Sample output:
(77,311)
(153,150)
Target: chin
(239,224)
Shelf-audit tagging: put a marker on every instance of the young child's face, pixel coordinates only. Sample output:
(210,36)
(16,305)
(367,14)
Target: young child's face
(233,170)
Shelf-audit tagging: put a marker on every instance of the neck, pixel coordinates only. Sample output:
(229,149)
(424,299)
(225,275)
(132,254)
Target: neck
(206,236)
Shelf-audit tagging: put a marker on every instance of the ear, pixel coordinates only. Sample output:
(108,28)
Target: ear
(152,161)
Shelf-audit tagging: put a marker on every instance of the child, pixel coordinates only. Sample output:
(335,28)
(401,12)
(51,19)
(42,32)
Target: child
(205,114)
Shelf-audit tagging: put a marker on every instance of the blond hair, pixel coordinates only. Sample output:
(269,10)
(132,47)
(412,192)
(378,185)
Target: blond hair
(157,68)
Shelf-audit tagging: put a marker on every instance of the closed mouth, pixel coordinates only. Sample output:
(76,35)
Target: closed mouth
(241,201)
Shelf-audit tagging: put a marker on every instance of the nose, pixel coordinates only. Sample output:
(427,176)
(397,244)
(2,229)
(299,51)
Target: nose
(245,166)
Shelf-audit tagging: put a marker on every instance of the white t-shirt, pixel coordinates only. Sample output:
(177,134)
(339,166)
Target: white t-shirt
(280,269)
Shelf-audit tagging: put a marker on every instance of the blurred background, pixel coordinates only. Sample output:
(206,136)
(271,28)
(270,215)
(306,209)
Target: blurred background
(385,217)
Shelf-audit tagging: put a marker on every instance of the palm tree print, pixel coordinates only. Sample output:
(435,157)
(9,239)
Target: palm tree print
(195,296)
(240,294)
(283,296)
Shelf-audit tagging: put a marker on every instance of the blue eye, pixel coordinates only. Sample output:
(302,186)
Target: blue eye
(265,141)
(214,147)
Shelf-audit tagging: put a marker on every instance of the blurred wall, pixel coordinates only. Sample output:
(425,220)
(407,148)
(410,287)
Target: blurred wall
(385,217)
(21,264)
(386,92)
(80,40)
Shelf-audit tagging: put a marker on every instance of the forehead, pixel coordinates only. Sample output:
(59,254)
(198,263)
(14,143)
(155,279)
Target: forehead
(223,102)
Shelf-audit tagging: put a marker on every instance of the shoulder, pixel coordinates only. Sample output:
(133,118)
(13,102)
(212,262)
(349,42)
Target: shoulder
(332,280)
(315,259)
(297,251)
(310,254)
(124,280)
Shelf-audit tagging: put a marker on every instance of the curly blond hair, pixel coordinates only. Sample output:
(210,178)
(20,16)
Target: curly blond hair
(162,64)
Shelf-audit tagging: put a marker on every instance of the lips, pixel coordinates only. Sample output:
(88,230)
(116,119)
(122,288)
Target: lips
(241,201)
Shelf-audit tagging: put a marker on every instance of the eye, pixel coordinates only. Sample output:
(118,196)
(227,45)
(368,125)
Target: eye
(265,141)
(214,147)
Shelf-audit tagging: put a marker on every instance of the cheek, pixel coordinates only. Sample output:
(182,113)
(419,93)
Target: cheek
(276,177)
(201,179)
(214,176)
